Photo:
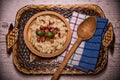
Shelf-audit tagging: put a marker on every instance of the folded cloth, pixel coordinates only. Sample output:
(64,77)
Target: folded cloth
(86,55)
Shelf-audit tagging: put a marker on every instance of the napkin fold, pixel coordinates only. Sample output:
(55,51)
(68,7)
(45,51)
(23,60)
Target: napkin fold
(86,55)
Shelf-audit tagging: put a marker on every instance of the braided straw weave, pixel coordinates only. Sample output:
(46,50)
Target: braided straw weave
(29,63)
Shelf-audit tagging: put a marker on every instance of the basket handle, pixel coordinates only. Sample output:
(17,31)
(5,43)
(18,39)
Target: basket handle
(109,38)
(11,38)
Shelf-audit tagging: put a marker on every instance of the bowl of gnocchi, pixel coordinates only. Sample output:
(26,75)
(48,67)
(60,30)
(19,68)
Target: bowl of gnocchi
(47,34)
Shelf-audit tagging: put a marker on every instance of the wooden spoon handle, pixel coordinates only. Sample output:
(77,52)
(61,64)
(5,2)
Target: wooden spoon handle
(66,59)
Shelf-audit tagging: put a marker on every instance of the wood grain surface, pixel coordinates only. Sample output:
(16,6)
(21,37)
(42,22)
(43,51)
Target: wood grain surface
(8,10)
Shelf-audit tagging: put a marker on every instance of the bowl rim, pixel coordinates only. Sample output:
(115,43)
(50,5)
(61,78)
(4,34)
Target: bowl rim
(32,48)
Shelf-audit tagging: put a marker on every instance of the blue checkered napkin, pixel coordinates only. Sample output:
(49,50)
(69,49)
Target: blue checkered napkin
(86,55)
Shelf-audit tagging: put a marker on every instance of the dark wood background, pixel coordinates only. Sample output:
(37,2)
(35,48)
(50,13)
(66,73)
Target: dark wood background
(8,10)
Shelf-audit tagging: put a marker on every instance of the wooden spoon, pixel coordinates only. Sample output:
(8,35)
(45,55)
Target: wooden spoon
(85,31)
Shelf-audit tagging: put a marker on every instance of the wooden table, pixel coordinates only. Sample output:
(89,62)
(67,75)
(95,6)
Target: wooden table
(8,10)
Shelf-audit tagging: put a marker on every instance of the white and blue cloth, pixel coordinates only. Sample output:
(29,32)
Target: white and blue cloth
(86,55)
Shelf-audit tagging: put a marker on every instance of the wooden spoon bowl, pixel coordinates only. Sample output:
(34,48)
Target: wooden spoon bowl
(87,28)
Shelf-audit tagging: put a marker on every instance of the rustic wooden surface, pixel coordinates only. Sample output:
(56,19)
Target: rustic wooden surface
(8,10)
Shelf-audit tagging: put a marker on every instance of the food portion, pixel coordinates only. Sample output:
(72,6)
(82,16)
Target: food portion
(48,34)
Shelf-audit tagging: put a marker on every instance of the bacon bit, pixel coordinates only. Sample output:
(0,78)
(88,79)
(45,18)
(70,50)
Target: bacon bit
(55,31)
(47,39)
(46,30)
(48,26)
(52,40)
(42,27)
(52,29)
(43,30)
(38,38)
(42,39)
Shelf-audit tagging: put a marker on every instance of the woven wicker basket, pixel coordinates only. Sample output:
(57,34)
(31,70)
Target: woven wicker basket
(28,63)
